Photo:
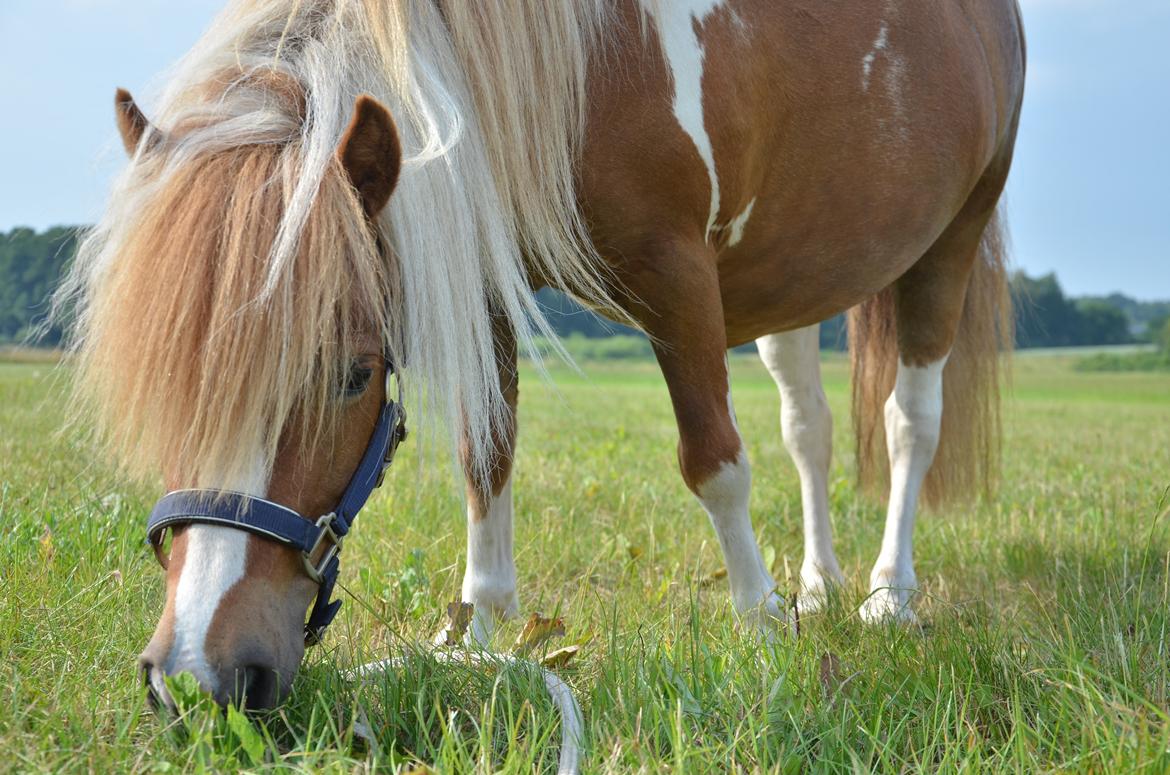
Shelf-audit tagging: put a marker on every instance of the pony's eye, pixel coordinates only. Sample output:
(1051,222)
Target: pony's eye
(357,380)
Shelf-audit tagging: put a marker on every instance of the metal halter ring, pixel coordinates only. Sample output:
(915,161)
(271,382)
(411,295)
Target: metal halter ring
(317,570)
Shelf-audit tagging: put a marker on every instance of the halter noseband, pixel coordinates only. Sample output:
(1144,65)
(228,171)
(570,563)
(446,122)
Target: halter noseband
(283,525)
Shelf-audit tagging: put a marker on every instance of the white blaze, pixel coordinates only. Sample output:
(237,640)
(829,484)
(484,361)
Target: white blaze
(213,563)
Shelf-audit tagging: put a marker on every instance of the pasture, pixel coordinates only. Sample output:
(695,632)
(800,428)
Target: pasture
(1045,643)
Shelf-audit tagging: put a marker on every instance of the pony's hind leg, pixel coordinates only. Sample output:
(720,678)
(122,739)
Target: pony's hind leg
(691,346)
(928,303)
(913,415)
(489,582)
(793,359)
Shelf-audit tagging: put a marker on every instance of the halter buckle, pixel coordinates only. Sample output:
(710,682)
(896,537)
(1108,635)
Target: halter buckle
(316,570)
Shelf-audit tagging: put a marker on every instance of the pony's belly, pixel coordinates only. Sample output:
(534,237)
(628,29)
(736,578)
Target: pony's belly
(773,296)
(789,274)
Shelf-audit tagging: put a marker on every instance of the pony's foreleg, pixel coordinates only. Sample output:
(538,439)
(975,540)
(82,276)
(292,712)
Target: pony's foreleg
(691,346)
(793,359)
(489,581)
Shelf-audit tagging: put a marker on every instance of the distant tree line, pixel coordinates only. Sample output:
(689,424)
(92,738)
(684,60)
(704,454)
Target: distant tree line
(1045,317)
(32,263)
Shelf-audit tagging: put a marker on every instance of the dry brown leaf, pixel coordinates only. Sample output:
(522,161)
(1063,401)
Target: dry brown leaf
(830,673)
(459,616)
(714,577)
(46,547)
(536,631)
(560,657)
(832,681)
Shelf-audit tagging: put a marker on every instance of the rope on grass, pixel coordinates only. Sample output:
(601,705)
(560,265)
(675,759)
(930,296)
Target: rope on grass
(569,762)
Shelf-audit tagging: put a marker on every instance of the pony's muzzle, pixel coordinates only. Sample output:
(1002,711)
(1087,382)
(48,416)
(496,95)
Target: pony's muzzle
(252,686)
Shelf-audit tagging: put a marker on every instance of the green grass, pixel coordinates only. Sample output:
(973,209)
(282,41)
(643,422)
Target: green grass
(1047,608)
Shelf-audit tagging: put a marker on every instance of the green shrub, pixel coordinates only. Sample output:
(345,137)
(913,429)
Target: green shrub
(1145,360)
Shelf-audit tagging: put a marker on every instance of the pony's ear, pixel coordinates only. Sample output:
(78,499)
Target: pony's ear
(371,153)
(132,124)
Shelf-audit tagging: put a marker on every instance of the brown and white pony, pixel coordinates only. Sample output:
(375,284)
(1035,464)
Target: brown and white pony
(717,171)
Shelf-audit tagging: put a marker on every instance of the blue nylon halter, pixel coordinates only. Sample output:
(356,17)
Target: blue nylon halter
(283,525)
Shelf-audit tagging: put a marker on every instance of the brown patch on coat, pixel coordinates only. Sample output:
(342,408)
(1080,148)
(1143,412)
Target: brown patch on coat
(163,639)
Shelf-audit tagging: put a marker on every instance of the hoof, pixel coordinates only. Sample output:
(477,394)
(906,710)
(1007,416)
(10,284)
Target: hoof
(817,588)
(770,619)
(889,604)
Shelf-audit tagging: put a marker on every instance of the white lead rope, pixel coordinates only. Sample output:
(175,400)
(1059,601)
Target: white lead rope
(562,697)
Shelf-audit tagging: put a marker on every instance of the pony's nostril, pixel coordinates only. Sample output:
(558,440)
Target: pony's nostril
(156,690)
(256,687)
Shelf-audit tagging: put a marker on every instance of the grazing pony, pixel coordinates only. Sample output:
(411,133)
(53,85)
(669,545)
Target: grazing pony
(330,187)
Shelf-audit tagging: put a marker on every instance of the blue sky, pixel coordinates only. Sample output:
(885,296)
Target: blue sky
(1088,197)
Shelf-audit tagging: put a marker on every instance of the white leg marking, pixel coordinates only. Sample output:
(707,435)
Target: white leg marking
(793,359)
(675,20)
(490,579)
(913,418)
(213,563)
(725,498)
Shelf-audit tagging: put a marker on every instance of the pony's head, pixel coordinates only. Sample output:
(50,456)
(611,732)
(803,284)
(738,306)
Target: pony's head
(204,360)
(232,308)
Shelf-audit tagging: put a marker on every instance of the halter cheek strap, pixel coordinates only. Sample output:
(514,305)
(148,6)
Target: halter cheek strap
(318,542)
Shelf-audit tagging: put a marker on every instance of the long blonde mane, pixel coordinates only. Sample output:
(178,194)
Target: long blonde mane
(229,279)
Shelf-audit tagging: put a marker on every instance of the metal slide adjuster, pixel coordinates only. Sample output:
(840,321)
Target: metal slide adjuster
(316,570)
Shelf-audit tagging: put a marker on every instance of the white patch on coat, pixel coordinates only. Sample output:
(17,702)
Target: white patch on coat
(739,223)
(879,45)
(490,579)
(675,21)
(895,82)
(893,77)
(214,562)
(913,416)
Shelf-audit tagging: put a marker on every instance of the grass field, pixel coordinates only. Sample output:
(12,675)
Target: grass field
(1046,645)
